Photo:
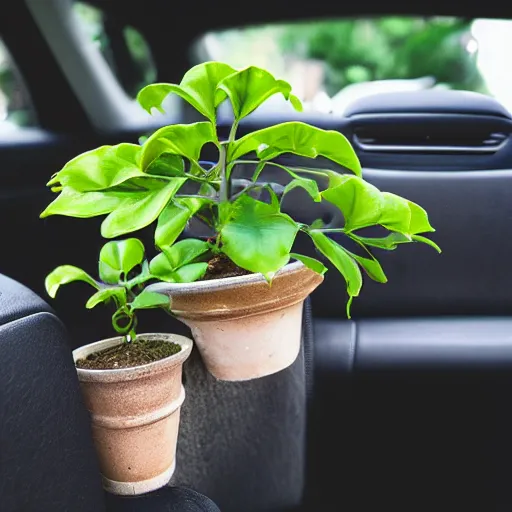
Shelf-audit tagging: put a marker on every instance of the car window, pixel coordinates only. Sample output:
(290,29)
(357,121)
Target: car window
(124,48)
(16,109)
(331,63)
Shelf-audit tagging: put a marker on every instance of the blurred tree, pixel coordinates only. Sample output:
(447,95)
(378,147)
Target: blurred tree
(387,48)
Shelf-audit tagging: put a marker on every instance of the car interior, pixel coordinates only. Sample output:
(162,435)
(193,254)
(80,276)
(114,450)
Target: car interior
(402,407)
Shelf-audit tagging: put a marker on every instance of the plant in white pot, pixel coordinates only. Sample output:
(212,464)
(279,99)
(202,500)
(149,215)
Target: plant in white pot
(245,311)
(132,383)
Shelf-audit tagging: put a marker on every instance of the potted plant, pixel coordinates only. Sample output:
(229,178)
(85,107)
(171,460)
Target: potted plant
(132,383)
(247,321)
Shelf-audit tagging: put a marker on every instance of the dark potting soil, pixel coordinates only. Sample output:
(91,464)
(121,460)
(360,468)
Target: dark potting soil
(128,355)
(221,266)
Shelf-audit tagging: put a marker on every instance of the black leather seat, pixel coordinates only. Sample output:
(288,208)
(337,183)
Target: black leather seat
(47,459)
(414,414)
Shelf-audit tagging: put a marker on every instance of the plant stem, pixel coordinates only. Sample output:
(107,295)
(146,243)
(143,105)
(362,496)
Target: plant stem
(225,187)
(232,132)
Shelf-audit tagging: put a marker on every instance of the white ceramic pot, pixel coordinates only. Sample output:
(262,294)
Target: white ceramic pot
(243,327)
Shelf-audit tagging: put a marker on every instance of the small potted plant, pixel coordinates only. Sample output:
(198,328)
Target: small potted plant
(132,383)
(246,321)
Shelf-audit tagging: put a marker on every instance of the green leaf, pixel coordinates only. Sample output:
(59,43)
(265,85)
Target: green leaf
(161,268)
(118,257)
(371,266)
(148,300)
(101,168)
(105,294)
(174,219)
(311,263)
(66,274)
(395,213)
(360,202)
(345,264)
(185,140)
(427,241)
(249,88)
(138,211)
(164,265)
(258,237)
(198,87)
(310,186)
(299,139)
(389,242)
(83,205)
(363,205)
(166,164)
(190,273)
(185,274)
(184,251)
(419,220)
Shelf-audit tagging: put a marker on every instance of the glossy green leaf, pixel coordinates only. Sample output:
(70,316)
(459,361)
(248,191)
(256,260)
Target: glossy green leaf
(371,266)
(166,164)
(345,264)
(427,241)
(66,274)
(389,242)
(311,263)
(185,274)
(198,87)
(363,205)
(185,140)
(164,265)
(248,88)
(105,294)
(190,273)
(174,219)
(310,186)
(148,300)
(360,202)
(419,220)
(118,257)
(161,268)
(83,205)
(185,251)
(101,168)
(299,139)
(138,212)
(395,213)
(258,237)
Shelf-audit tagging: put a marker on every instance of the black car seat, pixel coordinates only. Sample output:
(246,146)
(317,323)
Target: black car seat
(47,458)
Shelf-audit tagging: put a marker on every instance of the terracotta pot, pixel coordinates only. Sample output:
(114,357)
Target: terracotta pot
(135,415)
(243,327)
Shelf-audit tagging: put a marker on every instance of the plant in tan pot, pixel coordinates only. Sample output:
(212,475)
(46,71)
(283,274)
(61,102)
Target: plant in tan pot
(245,311)
(132,383)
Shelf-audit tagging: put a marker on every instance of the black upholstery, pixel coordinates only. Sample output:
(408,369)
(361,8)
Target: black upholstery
(167,499)
(47,458)
(413,414)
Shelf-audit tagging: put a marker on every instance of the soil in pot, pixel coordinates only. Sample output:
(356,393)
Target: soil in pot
(221,266)
(128,355)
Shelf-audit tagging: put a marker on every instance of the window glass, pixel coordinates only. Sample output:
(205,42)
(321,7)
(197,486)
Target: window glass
(16,108)
(331,63)
(124,48)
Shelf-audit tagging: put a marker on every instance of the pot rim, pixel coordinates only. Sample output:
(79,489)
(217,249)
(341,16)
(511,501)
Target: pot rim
(133,372)
(224,283)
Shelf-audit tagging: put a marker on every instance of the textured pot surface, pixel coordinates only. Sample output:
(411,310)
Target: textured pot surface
(243,327)
(135,416)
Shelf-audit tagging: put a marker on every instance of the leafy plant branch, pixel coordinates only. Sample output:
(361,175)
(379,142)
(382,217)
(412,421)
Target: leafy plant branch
(163,181)
(117,261)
